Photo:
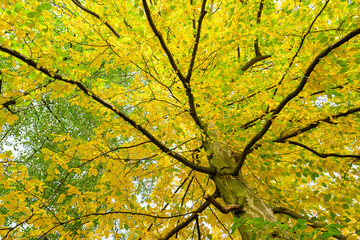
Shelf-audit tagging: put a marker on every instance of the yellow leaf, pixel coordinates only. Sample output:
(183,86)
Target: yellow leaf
(2,220)
(11,119)
(352,237)
(50,177)
(93,171)
(61,198)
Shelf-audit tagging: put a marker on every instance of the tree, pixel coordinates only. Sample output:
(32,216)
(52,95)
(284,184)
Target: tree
(153,119)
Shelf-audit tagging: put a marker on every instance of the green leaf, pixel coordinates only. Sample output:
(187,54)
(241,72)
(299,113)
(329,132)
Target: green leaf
(18,7)
(335,226)
(284,226)
(47,6)
(39,8)
(327,197)
(301,221)
(31,14)
(314,175)
(253,237)
(345,206)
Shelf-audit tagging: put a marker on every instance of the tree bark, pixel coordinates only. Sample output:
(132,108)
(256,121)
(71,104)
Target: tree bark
(234,190)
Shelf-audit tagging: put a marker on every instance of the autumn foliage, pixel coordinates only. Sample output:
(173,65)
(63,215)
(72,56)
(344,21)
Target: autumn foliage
(193,119)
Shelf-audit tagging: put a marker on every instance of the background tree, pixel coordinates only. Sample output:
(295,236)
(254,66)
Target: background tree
(153,119)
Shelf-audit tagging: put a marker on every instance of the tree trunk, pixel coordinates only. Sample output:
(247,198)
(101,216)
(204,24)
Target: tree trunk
(234,190)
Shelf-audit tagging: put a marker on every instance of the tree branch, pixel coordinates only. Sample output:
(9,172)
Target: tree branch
(224,209)
(328,119)
(11,102)
(197,40)
(198,227)
(290,96)
(187,222)
(51,111)
(77,3)
(184,81)
(186,191)
(113,212)
(258,56)
(254,60)
(252,122)
(300,46)
(323,155)
(313,224)
(113,150)
(222,224)
(112,108)
(130,213)
(258,20)
(10,229)
(7,105)
(162,42)
(189,219)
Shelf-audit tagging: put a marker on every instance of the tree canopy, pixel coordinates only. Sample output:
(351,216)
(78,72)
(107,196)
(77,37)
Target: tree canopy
(193,119)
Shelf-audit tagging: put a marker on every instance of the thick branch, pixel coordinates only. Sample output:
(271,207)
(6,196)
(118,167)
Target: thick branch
(7,105)
(293,214)
(224,209)
(324,155)
(258,20)
(197,40)
(111,107)
(162,41)
(198,227)
(77,3)
(254,60)
(258,16)
(292,95)
(313,125)
(252,122)
(193,112)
